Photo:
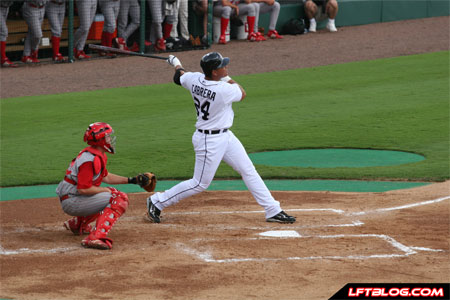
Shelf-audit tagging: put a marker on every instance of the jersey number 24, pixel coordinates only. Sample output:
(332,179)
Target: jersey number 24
(203,109)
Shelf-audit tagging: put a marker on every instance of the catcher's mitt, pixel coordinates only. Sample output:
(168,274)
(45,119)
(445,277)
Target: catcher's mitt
(147,181)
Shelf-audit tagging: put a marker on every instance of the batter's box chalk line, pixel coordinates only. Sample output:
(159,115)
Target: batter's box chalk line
(208,256)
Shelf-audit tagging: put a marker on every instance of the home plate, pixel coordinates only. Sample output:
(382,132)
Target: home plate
(281,233)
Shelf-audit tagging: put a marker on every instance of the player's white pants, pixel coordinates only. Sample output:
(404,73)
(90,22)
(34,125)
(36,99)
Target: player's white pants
(210,150)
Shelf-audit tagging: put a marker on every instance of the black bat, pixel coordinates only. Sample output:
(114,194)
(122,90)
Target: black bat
(125,52)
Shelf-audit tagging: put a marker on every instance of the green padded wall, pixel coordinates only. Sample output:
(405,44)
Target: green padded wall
(395,10)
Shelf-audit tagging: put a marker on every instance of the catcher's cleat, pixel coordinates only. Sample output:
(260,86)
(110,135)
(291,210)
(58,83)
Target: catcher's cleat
(101,244)
(153,213)
(77,227)
(282,217)
(273,34)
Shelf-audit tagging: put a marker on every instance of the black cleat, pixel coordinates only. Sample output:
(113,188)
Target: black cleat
(153,213)
(281,217)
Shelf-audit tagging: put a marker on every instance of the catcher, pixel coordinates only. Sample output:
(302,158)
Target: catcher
(82,196)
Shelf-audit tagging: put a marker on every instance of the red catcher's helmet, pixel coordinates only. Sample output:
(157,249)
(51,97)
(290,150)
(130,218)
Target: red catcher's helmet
(101,134)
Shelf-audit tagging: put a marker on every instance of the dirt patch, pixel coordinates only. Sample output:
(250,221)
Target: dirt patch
(209,246)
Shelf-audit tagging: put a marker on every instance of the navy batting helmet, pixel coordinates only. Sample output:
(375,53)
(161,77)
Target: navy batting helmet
(213,61)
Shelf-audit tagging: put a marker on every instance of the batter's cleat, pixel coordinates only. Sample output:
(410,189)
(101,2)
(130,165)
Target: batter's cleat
(101,244)
(77,227)
(160,45)
(273,34)
(58,58)
(331,27)
(6,63)
(222,40)
(153,213)
(282,217)
(27,60)
(252,37)
(79,54)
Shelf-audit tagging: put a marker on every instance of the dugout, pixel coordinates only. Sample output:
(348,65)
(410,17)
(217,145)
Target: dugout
(351,13)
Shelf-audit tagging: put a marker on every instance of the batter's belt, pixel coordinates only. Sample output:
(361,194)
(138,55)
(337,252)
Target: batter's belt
(212,131)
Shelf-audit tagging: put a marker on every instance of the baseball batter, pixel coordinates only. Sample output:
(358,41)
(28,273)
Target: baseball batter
(213,93)
(55,11)
(33,12)
(4,9)
(82,196)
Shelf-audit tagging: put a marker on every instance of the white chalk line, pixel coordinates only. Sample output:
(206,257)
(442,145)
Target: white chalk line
(400,207)
(206,256)
(338,211)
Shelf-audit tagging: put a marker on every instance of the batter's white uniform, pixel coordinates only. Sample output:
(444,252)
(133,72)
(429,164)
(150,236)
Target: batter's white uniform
(213,101)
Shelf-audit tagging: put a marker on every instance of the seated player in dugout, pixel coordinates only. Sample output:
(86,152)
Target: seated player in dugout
(318,10)
(81,195)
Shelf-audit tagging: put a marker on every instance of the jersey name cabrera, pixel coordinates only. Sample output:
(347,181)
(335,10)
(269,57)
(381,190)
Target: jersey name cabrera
(212,99)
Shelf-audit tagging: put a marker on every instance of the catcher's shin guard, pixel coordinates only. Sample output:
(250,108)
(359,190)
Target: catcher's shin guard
(80,225)
(108,217)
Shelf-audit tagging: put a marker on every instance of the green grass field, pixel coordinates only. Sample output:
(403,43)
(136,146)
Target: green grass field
(396,104)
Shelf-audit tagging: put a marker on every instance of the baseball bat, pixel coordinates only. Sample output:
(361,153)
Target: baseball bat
(125,52)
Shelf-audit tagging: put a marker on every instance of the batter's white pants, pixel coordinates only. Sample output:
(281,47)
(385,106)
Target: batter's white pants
(210,150)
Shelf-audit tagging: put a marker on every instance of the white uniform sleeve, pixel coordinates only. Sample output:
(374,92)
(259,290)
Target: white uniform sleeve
(232,93)
(185,80)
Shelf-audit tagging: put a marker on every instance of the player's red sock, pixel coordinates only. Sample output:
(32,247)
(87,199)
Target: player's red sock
(3,50)
(251,24)
(224,26)
(167,29)
(55,45)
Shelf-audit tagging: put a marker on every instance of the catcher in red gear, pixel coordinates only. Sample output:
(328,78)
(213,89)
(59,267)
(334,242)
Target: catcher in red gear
(82,196)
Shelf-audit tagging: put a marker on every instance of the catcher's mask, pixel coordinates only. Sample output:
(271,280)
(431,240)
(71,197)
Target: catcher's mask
(102,135)
(213,61)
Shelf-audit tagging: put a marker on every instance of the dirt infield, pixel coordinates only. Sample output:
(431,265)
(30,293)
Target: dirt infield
(210,247)
(217,245)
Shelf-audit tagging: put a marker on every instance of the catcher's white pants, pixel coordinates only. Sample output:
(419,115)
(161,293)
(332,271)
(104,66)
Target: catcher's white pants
(210,150)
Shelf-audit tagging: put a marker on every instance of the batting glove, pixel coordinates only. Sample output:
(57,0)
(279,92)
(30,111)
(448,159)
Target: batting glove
(174,61)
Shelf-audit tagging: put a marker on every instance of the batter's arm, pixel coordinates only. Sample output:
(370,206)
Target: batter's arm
(231,81)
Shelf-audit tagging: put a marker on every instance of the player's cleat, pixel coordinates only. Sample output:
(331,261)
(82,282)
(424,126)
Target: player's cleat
(331,27)
(260,37)
(160,45)
(312,27)
(281,217)
(27,60)
(153,213)
(252,37)
(120,43)
(6,63)
(222,40)
(77,227)
(58,58)
(102,244)
(34,56)
(79,54)
(273,34)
